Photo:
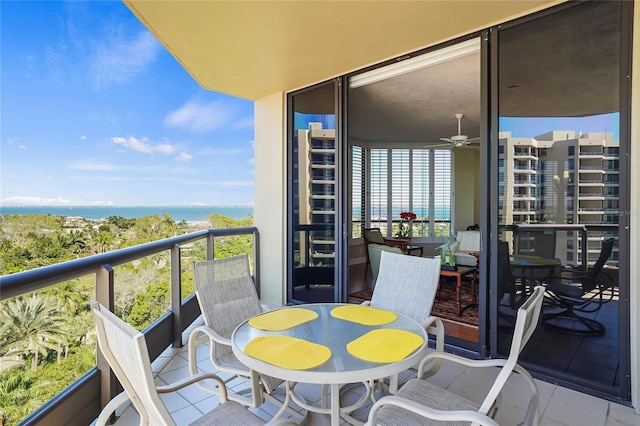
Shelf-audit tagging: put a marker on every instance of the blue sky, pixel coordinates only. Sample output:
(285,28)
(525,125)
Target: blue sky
(95,111)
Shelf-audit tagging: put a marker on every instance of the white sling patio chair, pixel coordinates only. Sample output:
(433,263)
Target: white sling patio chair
(420,402)
(407,285)
(125,349)
(227,296)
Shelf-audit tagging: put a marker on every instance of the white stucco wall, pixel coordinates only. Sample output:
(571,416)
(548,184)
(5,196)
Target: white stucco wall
(270,195)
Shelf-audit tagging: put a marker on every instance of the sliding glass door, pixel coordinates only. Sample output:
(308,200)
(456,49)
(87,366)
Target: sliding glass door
(560,192)
(314,194)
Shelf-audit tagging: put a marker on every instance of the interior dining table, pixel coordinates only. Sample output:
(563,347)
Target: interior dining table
(330,344)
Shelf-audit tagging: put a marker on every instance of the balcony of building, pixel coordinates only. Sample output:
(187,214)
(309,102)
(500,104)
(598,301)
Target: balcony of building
(81,402)
(558,405)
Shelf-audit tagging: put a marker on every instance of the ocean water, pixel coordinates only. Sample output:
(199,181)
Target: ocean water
(188,214)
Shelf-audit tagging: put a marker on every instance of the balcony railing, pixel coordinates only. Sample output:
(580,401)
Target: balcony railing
(81,402)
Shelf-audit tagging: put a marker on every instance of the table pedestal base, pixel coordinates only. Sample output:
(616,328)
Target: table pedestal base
(333,407)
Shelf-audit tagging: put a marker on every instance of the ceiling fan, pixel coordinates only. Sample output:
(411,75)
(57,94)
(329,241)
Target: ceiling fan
(459,140)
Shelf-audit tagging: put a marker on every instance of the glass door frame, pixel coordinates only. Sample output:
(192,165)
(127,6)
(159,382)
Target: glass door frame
(547,373)
(340,247)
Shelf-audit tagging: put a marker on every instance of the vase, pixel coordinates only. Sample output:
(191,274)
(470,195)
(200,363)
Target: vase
(410,231)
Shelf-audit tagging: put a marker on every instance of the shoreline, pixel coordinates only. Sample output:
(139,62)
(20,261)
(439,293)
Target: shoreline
(96,213)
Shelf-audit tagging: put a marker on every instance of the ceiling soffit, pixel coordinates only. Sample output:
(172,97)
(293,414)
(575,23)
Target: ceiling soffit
(253,49)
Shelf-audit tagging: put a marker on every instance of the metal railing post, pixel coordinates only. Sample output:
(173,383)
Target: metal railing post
(176,287)
(210,241)
(105,296)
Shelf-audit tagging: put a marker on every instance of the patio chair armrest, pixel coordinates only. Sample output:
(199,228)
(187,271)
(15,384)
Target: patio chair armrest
(195,339)
(172,387)
(211,333)
(435,326)
(431,413)
(105,415)
(439,356)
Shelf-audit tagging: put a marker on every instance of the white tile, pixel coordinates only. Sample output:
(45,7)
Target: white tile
(175,363)
(129,417)
(207,404)
(174,374)
(193,393)
(160,363)
(623,414)
(510,415)
(173,401)
(186,415)
(476,380)
(574,408)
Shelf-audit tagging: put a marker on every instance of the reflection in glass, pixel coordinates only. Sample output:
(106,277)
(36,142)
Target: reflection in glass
(313,195)
(559,130)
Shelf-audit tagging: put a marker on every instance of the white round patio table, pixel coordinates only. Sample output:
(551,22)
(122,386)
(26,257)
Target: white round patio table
(341,368)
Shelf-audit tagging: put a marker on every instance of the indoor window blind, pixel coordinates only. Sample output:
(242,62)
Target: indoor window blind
(442,187)
(400,184)
(358,207)
(420,191)
(378,188)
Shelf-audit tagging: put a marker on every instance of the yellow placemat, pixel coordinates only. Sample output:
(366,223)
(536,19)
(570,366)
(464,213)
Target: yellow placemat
(288,352)
(364,315)
(282,319)
(385,345)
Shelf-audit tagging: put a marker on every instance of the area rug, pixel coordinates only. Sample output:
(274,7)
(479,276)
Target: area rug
(444,306)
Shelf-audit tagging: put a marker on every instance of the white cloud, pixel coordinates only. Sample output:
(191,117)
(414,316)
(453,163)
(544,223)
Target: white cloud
(83,137)
(92,166)
(13,140)
(118,61)
(100,203)
(22,200)
(51,178)
(251,160)
(143,145)
(183,157)
(200,117)
(22,146)
(101,178)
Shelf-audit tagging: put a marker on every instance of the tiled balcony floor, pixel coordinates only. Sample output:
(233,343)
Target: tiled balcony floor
(558,406)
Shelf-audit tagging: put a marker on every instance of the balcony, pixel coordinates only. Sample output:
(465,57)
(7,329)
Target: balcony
(80,403)
(558,405)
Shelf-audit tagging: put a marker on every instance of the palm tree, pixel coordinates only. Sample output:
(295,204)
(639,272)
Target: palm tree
(30,325)
(18,396)
(104,240)
(77,241)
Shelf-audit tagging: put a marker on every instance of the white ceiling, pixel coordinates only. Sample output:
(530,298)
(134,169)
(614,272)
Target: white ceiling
(420,105)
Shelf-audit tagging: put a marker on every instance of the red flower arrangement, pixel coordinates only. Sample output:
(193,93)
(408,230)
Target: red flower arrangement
(408,216)
(405,225)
